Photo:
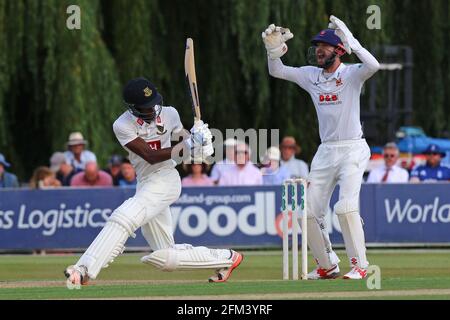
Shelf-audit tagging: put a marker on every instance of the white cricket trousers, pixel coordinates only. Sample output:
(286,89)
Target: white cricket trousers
(149,210)
(337,163)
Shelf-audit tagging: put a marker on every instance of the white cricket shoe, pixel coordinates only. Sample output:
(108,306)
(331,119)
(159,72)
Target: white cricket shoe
(320,273)
(76,275)
(356,273)
(223,274)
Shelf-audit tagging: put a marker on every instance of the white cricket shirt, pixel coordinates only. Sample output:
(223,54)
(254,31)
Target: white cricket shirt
(157,134)
(336,99)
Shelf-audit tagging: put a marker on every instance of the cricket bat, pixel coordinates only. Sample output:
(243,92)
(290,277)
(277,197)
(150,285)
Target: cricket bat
(191,78)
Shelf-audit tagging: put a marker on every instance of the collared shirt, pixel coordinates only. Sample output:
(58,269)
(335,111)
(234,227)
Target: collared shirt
(103,180)
(125,183)
(8,180)
(431,174)
(396,175)
(336,99)
(235,176)
(157,135)
(275,177)
(220,168)
(296,167)
(205,181)
(86,156)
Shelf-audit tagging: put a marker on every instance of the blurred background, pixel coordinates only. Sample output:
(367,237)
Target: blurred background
(54,81)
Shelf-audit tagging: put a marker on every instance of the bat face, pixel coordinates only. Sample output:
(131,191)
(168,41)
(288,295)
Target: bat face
(191,78)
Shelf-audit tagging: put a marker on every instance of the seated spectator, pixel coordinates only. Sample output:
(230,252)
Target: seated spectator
(113,169)
(432,171)
(44,178)
(128,175)
(196,176)
(91,177)
(7,179)
(390,171)
(289,149)
(64,171)
(221,166)
(243,172)
(272,173)
(77,156)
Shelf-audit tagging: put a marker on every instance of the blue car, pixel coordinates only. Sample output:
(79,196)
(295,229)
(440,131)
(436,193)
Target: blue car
(414,140)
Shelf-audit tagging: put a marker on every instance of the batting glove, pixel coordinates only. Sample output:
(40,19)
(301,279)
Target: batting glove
(347,38)
(201,133)
(274,39)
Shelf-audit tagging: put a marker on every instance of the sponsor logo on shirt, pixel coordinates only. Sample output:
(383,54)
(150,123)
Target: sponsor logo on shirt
(339,82)
(329,99)
(160,126)
(154,145)
(140,121)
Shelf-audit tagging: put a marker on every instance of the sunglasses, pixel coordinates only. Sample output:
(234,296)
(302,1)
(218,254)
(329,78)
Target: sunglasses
(389,156)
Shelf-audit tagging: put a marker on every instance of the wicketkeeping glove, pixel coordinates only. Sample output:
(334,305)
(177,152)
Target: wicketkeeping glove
(347,38)
(274,39)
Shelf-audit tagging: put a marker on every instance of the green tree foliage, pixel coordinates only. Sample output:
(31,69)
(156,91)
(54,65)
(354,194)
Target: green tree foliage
(54,81)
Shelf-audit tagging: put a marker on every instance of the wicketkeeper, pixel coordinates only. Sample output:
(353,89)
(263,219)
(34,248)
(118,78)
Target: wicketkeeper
(343,154)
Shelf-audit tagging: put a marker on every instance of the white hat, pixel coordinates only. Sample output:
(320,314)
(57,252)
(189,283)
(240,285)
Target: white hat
(273,153)
(76,138)
(57,159)
(230,143)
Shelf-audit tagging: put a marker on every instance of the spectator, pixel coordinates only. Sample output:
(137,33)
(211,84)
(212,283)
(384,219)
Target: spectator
(432,171)
(7,179)
(91,177)
(128,175)
(44,178)
(243,172)
(289,149)
(273,173)
(114,168)
(390,171)
(77,156)
(64,171)
(220,167)
(196,176)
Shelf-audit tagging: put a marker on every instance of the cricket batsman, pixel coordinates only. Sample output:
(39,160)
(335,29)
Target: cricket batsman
(145,131)
(343,154)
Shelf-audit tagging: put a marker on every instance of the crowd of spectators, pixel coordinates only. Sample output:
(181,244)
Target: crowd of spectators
(77,167)
(391,172)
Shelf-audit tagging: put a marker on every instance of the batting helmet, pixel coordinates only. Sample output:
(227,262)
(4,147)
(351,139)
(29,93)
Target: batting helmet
(140,95)
(327,36)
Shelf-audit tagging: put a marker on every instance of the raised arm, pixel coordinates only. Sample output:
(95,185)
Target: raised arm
(278,70)
(369,64)
(274,39)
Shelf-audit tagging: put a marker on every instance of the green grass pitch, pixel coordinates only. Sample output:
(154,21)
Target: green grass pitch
(405,274)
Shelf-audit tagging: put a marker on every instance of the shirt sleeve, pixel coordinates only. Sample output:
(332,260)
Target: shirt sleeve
(124,132)
(297,75)
(371,177)
(367,68)
(175,120)
(215,173)
(415,173)
(405,177)
(90,156)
